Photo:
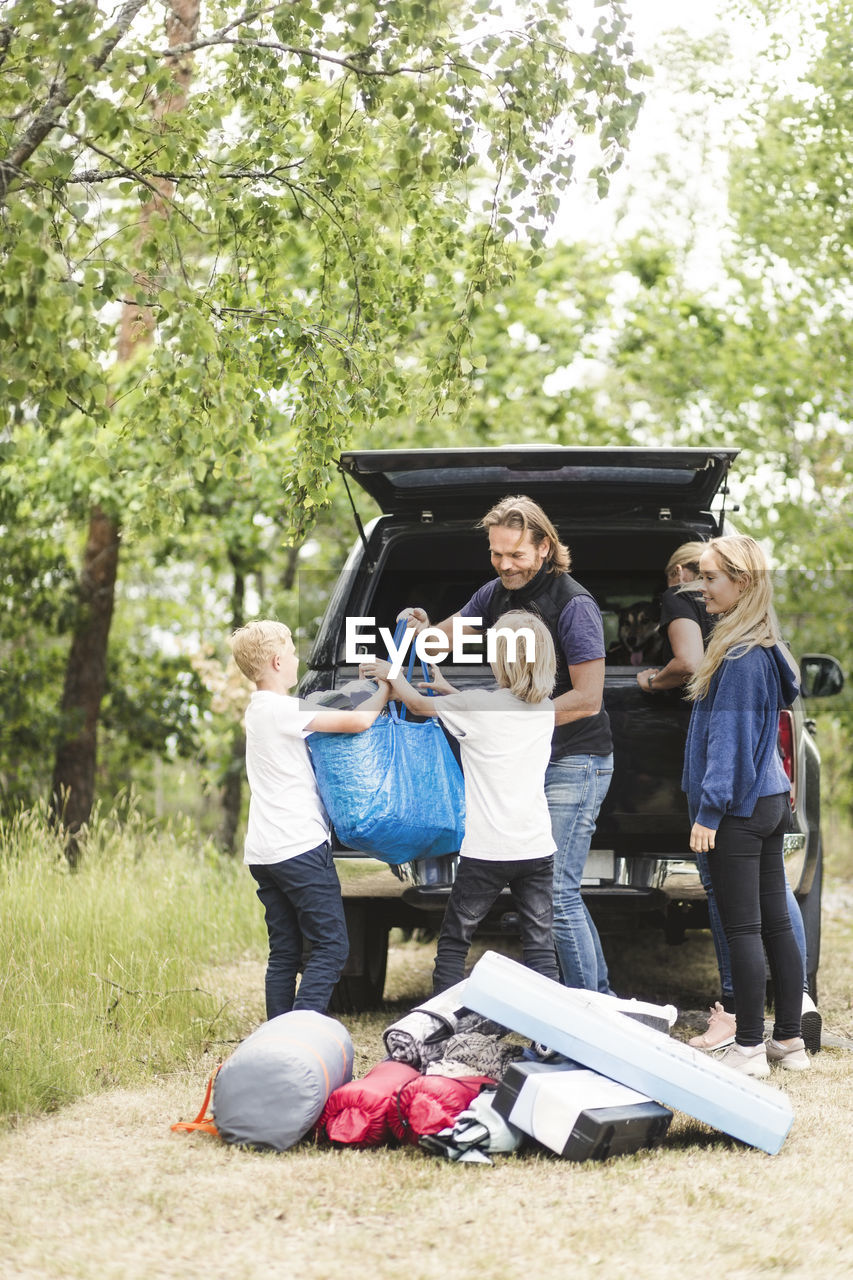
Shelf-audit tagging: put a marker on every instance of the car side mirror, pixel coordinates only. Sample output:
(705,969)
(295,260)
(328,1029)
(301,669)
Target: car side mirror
(820,676)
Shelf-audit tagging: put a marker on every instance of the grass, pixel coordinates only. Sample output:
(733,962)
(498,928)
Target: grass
(129,967)
(837,831)
(101,968)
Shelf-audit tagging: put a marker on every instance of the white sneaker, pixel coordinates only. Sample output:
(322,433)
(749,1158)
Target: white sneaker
(791,1056)
(748,1060)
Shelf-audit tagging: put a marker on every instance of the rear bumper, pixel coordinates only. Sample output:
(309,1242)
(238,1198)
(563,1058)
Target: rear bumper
(622,885)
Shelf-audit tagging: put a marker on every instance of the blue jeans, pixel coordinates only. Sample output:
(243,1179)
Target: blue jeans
(575,787)
(718,933)
(302,903)
(478,883)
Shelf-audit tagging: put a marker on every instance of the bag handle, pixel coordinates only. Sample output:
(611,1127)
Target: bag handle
(399,632)
(203,1123)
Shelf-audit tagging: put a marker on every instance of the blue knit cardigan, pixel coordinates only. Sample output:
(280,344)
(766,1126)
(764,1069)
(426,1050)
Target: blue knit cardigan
(732,754)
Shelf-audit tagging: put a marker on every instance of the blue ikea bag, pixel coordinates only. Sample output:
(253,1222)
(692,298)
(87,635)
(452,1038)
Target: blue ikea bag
(395,791)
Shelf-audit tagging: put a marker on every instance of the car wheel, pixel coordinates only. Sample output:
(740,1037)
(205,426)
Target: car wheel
(362,983)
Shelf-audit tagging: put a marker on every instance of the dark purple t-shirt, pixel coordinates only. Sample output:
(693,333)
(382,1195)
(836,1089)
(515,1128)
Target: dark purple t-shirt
(580,628)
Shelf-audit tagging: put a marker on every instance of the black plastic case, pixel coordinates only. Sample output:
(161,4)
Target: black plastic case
(598,1132)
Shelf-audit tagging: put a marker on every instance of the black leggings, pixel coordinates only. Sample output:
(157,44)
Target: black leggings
(748,877)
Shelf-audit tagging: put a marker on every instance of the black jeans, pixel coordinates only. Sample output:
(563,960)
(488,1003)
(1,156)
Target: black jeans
(748,878)
(478,883)
(302,903)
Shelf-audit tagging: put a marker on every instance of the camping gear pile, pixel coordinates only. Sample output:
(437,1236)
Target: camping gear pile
(600,1078)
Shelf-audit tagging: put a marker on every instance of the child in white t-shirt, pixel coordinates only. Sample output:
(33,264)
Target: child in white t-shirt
(287,845)
(505,742)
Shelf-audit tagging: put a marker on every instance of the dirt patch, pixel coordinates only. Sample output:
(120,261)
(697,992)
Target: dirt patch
(105,1191)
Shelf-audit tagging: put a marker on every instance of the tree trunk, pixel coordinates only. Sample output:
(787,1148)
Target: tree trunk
(231,793)
(291,564)
(73,789)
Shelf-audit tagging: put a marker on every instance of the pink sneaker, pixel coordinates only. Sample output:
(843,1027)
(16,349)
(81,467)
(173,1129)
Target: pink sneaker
(720,1032)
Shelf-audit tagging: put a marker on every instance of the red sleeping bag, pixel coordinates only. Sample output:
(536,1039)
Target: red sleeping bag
(429,1104)
(357,1114)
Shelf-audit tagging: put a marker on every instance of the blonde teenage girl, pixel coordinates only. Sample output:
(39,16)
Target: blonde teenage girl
(738,795)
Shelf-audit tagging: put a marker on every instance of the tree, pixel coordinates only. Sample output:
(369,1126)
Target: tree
(793,209)
(317,186)
(759,358)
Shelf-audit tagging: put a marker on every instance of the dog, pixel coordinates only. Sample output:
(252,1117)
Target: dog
(640,642)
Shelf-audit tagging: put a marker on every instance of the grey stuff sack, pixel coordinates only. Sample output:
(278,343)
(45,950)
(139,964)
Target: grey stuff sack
(273,1088)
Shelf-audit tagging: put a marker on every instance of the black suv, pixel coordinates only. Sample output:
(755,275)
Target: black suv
(622,512)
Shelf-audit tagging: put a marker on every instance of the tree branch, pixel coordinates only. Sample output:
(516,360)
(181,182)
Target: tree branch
(89,177)
(158,995)
(6,33)
(62,93)
(359,68)
(124,172)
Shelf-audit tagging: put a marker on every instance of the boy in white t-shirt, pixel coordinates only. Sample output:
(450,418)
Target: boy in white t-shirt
(505,742)
(287,845)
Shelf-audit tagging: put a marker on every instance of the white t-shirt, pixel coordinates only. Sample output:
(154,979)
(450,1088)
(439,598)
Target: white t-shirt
(286,814)
(506,748)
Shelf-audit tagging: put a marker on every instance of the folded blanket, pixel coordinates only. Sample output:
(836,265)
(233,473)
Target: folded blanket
(473,1053)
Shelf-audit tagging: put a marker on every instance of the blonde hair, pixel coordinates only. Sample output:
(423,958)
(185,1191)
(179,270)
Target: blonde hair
(530,678)
(687,556)
(527,516)
(752,622)
(254,645)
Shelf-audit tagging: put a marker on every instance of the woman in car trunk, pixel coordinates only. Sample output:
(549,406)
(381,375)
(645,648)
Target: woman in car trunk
(738,796)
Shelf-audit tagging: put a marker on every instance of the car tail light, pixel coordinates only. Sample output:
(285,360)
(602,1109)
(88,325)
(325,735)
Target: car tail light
(789,755)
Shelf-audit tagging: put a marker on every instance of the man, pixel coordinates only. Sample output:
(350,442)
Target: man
(533,573)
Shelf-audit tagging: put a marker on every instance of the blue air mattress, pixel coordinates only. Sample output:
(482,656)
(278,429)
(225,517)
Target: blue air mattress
(582,1029)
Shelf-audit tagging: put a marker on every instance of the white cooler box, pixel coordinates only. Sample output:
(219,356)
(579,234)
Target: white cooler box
(578,1113)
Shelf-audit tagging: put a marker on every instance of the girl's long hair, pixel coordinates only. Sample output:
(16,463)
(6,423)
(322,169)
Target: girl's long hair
(531,671)
(751,623)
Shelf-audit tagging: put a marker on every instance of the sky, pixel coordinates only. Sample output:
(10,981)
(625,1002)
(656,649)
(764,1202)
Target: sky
(652,20)
(638,198)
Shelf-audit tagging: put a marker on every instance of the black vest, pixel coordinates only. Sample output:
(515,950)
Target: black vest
(547,596)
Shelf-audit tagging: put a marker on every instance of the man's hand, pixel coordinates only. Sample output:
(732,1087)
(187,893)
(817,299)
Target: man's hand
(415,618)
(702,838)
